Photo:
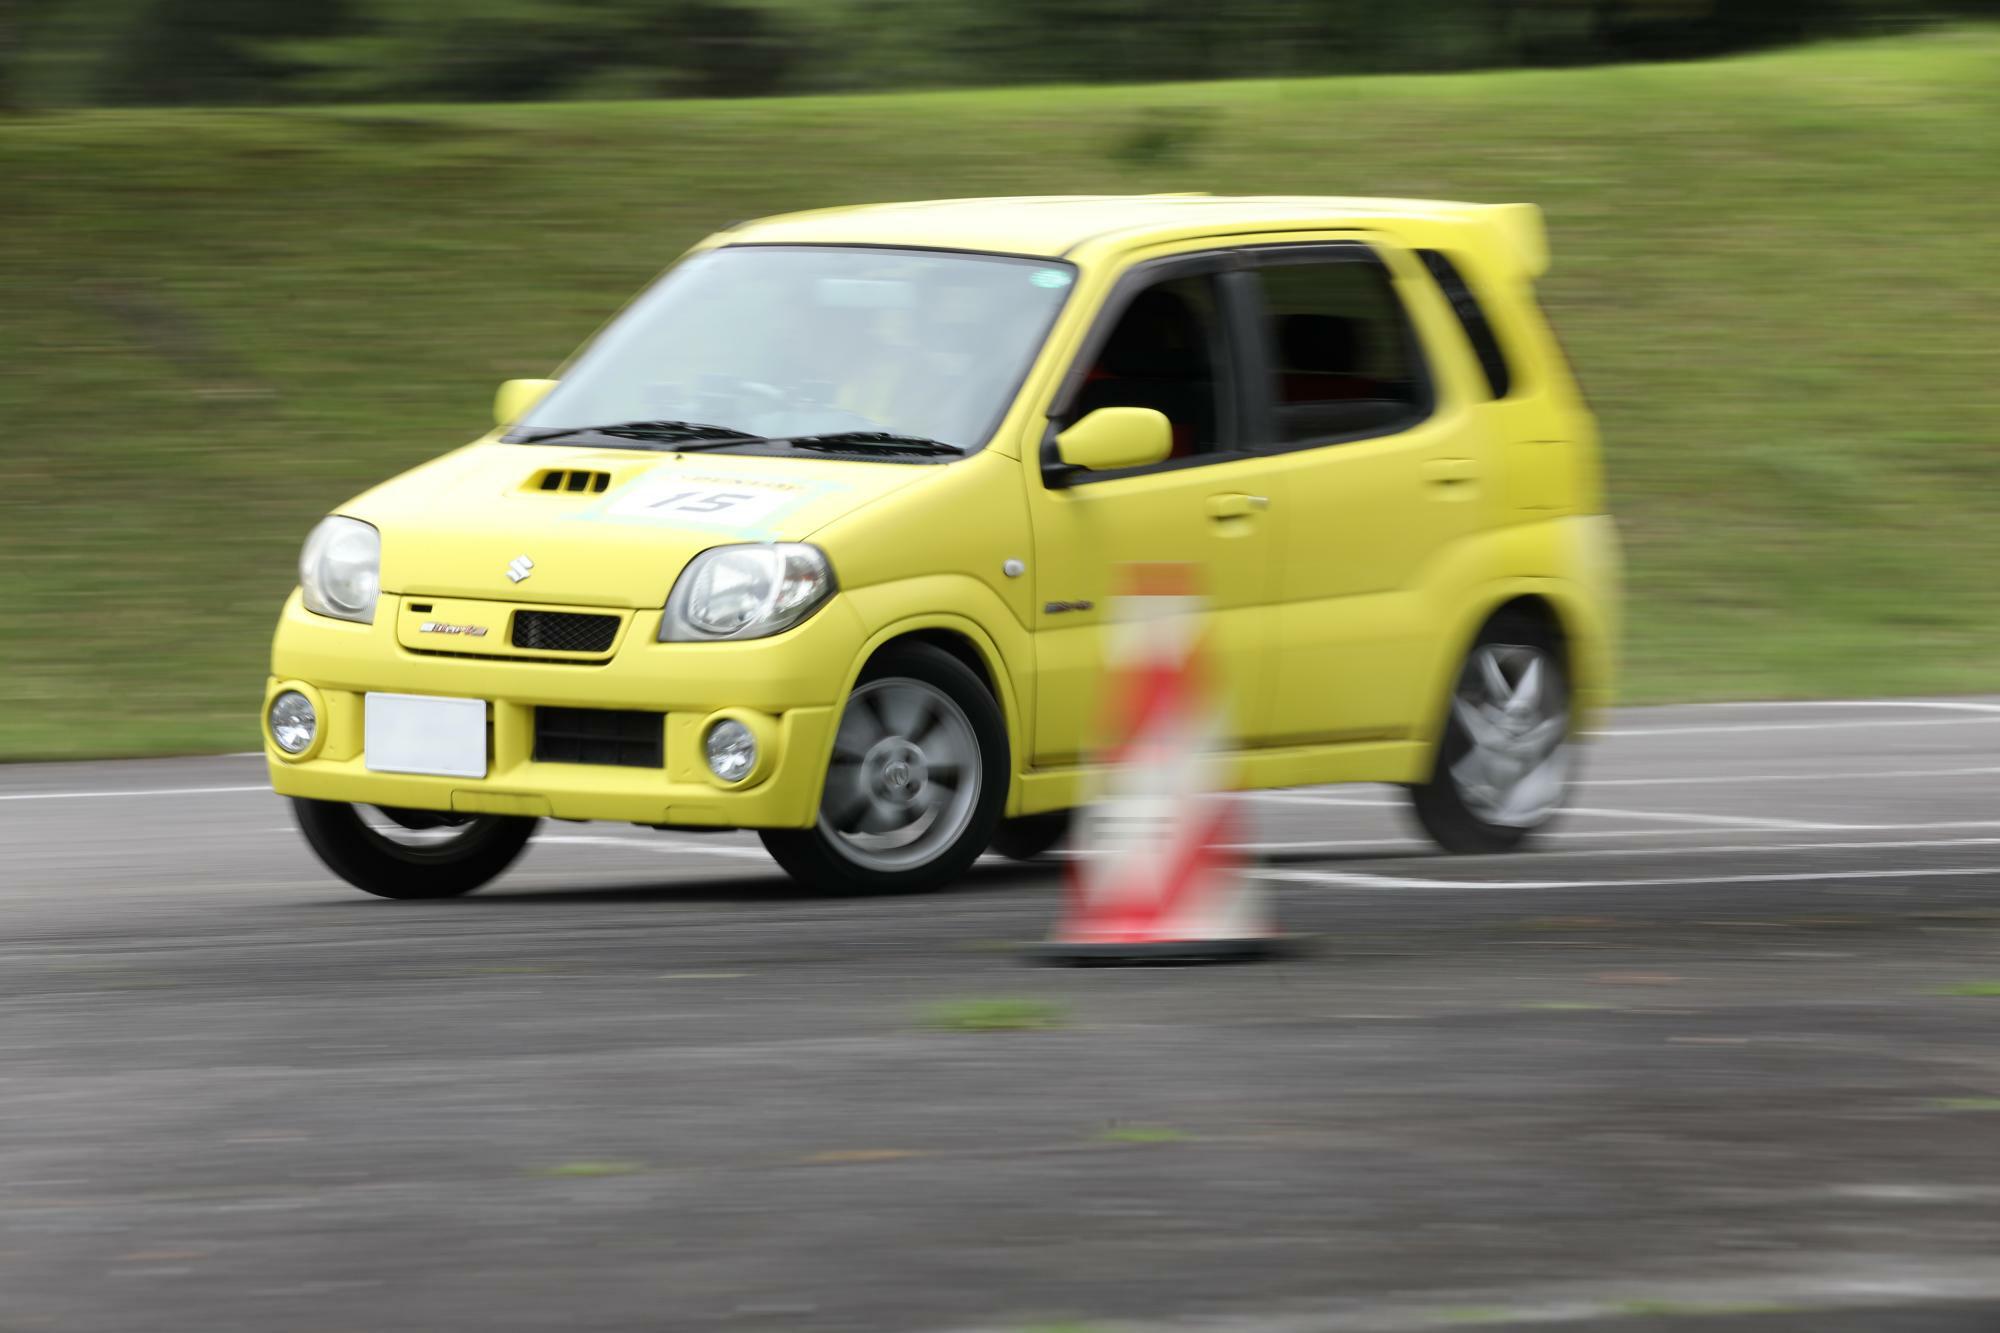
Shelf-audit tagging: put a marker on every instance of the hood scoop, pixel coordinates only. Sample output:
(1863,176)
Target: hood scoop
(568,481)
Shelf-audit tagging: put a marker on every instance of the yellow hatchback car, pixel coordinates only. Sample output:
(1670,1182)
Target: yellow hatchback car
(817,538)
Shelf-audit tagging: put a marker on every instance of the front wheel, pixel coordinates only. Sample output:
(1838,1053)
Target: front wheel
(417,854)
(1504,761)
(916,784)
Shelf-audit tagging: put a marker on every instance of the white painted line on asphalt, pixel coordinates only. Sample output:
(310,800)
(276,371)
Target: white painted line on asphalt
(1330,845)
(1955,705)
(1350,880)
(151,791)
(1720,821)
(1900,844)
(1396,844)
(1922,826)
(1765,824)
(1599,835)
(1723,779)
(1295,797)
(654,845)
(1597,812)
(1705,729)
(1539,854)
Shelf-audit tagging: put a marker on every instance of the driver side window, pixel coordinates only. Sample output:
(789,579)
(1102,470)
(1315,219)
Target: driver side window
(1164,352)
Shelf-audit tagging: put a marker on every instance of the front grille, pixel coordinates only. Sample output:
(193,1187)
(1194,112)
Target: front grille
(564,631)
(600,736)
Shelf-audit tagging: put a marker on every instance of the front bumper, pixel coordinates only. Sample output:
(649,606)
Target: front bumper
(786,687)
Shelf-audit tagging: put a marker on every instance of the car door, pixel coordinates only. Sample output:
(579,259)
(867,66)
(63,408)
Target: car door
(1365,403)
(1166,339)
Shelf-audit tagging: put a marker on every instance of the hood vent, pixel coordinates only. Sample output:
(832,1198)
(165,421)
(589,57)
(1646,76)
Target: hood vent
(568,480)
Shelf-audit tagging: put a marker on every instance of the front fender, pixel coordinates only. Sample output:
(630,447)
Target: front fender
(890,611)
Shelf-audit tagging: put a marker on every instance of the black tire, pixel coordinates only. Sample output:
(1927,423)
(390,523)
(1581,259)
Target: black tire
(1440,805)
(484,846)
(1027,837)
(819,858)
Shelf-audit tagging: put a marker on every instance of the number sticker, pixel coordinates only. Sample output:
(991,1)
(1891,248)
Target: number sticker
(710,502)
(703,502)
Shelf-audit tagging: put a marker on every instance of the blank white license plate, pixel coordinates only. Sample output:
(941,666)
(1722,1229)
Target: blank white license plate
(422,733)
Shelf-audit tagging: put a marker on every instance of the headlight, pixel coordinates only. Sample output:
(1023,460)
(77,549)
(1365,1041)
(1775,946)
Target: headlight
(340,569)
(746,592)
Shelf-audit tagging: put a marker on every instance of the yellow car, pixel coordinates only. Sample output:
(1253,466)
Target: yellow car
(817,538)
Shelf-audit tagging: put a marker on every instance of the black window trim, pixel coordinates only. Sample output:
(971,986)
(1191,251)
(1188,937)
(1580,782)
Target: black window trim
(1262,361)
(1233,371)
(1504,384)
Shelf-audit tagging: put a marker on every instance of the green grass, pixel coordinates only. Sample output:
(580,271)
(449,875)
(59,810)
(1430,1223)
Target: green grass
(1967,1103)
(1004,1015)
(1775,274)
(1974,989)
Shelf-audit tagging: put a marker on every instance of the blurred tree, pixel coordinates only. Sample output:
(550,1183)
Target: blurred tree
(206,50)
(451,49)
(10,55)
(68,52)
(506,50)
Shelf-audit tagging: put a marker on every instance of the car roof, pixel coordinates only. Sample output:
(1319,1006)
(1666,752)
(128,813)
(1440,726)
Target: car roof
(1068,225)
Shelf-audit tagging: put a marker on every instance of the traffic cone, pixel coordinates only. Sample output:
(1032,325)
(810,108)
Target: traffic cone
(1154,878)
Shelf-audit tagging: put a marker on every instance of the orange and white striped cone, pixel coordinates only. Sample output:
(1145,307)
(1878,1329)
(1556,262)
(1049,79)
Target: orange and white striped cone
(1154,877)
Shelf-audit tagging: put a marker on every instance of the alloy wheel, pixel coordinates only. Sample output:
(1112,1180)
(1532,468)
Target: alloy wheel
(905,776)
(1514,711)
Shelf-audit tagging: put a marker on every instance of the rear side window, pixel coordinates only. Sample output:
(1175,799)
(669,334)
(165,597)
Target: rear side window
(1478,329)
(1344,357)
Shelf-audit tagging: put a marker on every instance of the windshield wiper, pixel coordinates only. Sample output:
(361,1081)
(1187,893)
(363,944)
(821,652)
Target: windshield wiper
(649,432)
(871,442)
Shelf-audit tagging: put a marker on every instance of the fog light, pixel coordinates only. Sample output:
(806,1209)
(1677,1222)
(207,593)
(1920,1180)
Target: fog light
(732,750)
(293,722)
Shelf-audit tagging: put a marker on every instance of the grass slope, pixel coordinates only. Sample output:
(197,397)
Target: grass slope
(1776,274)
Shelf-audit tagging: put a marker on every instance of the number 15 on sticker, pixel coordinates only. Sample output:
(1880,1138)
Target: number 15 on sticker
(741,506)
(703,502)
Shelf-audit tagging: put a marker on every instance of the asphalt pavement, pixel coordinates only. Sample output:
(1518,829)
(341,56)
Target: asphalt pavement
(1724,1053)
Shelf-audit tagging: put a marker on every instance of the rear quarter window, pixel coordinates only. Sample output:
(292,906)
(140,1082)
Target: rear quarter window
(1472,318)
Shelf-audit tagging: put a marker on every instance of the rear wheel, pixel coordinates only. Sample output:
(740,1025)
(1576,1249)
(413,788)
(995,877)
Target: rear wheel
(395,853)
(1504,761)
(917,780)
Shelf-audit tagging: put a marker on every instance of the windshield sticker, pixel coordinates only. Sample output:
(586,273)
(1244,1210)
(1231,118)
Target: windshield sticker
(705,500)
(1051,278)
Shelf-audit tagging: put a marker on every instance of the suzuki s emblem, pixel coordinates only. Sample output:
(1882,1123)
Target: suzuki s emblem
(519,568)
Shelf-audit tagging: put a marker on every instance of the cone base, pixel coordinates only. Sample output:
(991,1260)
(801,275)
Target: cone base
(1160,953)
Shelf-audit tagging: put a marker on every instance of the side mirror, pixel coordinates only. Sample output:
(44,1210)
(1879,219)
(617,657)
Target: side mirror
(1116,437)
(516,397)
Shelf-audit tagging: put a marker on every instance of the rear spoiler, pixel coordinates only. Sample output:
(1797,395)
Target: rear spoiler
(1523,231)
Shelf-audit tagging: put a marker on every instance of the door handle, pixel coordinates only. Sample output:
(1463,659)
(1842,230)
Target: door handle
(1451,471)
(1237,505)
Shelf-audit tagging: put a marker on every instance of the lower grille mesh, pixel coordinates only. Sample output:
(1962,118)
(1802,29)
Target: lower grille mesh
(629,739)
(564,631)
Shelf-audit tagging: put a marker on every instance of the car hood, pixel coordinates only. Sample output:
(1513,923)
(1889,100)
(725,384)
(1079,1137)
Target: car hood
(597,527)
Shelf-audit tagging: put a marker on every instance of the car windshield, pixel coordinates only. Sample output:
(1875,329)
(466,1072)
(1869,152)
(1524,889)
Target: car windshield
(781,342)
